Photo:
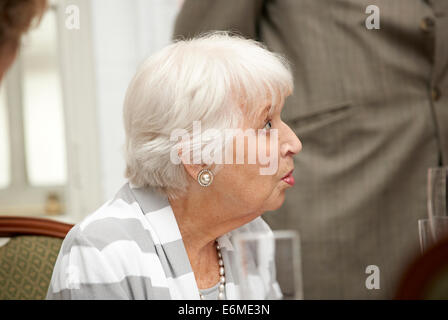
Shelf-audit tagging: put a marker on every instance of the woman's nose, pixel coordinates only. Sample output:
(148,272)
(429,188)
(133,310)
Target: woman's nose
(292,144)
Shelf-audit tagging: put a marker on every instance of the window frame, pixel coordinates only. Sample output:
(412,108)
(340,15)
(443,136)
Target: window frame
(19,197)
(82,192)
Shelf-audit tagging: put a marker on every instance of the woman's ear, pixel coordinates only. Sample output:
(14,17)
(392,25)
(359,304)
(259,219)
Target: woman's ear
(191,168)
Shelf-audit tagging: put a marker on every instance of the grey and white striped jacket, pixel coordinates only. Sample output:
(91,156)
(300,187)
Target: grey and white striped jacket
(131,248)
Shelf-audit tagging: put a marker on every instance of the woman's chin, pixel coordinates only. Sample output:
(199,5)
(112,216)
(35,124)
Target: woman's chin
(276,203)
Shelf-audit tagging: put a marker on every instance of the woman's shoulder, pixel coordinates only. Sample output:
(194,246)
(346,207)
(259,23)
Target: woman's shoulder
(110,253)
(116,223)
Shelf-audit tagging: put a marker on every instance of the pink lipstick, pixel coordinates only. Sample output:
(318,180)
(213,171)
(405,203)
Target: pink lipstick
(289,179)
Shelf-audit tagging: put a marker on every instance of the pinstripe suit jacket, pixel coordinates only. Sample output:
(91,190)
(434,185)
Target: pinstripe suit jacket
(131,248)
(371,109)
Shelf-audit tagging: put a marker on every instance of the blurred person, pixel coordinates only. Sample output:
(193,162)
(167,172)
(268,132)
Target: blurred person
(169,232)
(16,17)
(371,108)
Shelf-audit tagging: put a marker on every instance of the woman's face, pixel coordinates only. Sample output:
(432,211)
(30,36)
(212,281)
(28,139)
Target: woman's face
(246,187)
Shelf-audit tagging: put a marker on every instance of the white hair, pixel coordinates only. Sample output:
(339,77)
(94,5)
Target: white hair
(216,78)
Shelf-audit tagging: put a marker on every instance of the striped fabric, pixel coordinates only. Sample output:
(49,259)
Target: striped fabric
(131,248)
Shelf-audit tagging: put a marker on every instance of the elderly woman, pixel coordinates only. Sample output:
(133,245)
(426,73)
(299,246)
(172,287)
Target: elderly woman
(169,233)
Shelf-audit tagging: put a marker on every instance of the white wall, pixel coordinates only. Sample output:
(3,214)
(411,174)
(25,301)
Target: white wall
(124,33)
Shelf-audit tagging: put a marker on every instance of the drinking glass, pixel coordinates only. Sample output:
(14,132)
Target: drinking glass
(431,231)
(436,226)
(437,192)
(269,265)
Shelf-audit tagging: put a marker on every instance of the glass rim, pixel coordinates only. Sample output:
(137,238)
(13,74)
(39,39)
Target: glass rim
(434,217)
(442,168)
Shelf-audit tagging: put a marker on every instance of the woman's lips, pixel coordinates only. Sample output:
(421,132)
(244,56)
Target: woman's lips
(289,179)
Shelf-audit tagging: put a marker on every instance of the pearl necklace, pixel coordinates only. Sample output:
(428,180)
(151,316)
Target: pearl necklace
(222,278)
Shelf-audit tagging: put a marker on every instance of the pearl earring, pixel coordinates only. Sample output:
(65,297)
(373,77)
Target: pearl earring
(205,177)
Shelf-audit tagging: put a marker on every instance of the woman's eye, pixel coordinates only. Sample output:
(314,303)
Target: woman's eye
(268,125)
